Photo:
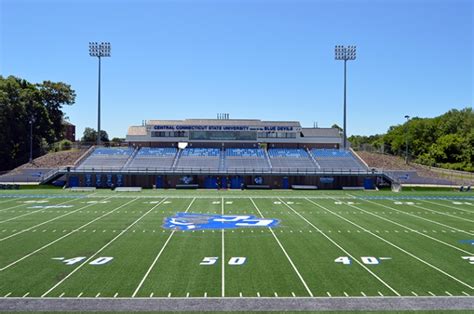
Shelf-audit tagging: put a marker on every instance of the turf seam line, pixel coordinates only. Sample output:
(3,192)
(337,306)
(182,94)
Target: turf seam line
(100,250)
(65,236)
(159,253)
(400,248)
(341,248)
(284,251)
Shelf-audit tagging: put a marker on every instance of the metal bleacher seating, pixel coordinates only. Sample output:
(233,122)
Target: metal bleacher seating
(245,158)
(291,158)
(107,158)
(199,158)
(153,158)
(337,160)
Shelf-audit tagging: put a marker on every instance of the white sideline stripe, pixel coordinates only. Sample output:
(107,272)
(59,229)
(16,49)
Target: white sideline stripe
(64,236)
(397,247)
(222,255)
(159,253)
(101,249)
(413,230)
(284,251)
(441,213)
(35,211)
(45,222)
(419,217)
(340,247)
(448,206)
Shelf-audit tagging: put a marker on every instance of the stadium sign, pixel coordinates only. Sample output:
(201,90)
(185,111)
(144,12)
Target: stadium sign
(189,221)
(223,128)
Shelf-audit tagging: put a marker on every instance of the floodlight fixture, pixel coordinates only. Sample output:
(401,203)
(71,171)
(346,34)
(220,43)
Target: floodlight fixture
(99,50)
(345,53)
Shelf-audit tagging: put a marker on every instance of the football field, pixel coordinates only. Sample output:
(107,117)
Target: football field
(249,244)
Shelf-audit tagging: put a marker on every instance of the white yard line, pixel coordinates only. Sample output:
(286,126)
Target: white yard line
(65,236)
(449,206)
(158,255)
(10,200)
(408,228)
(419,217)
(441,213)
(284,252)
(395,246)
(48,221)
(22,204)
(341,248)
(35,211)
(101,249)
(222,255)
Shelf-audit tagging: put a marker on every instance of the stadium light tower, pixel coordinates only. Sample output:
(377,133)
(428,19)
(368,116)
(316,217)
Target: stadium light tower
(99,51)
(345,53)
(406,139)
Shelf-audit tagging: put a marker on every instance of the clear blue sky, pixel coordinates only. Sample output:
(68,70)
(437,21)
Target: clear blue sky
(270,60)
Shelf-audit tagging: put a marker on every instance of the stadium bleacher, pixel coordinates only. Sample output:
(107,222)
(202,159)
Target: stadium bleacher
(153,158)
(335,159)
(291,158)
(199,158)
(245,158)
(108,158)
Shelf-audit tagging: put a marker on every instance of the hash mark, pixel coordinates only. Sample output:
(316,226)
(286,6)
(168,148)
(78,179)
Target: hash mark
(380,293)
(205,294)
(293,294)
(62,294)
(97,295)
(276,295)
(362,292)
(329,295)
(151,295)
(465,293)
(26,294)
(80,294)
(240,294)
(187,295)
(345,293)
(447,292)
(116,294)
(169,295)
(413,292)
(432,293)
(258,294)
(6,295)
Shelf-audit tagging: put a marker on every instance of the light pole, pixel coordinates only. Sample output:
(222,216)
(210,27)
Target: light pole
(99,51)
(32,120)
(406,139)
(346,54)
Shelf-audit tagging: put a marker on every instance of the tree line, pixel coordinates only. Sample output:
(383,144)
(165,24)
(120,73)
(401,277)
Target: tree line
(22,103)
(445,141)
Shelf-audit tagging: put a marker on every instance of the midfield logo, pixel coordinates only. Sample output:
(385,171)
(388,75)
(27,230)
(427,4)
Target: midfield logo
(189,221)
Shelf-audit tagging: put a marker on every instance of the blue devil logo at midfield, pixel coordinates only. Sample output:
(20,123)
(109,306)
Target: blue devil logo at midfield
(189,221)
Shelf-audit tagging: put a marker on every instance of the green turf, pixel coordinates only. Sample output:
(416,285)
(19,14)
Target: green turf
(418,234)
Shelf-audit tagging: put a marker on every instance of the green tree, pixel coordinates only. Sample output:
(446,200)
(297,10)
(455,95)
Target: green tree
(22,102)
(90,136)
